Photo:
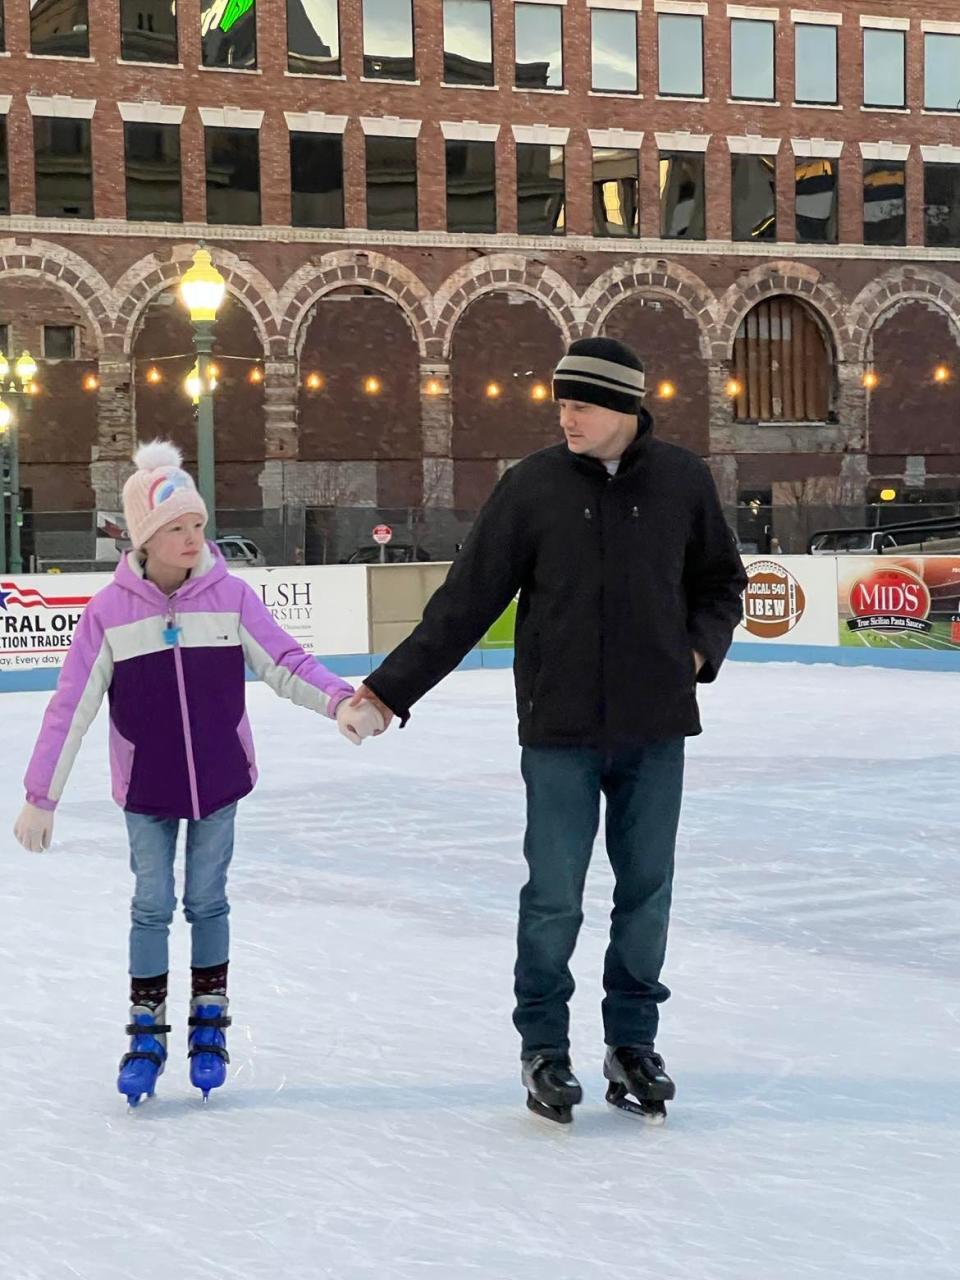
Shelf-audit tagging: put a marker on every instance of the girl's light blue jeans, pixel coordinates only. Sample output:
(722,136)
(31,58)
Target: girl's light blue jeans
(153,846)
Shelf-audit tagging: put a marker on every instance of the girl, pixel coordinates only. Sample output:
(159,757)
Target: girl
(167,640)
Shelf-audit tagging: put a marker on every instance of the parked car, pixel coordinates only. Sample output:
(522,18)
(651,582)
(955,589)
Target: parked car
(865,542)
(395,553)
(240,551)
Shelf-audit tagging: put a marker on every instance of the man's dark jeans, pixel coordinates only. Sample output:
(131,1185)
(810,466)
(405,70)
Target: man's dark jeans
(643,788)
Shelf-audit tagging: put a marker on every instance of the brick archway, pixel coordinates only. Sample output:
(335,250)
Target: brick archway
(790,279)
(343,269)
(654,277)
(142,282)
(503,273)
(57,266)
(894,289)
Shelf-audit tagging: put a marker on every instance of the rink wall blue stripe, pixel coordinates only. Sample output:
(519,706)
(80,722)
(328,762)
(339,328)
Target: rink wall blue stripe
(358,665)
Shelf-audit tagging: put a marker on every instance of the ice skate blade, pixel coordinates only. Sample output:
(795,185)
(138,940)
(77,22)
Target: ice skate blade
(543,1111)
(651,1112)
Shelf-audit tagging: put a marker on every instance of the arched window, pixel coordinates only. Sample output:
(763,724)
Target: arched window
(782,365)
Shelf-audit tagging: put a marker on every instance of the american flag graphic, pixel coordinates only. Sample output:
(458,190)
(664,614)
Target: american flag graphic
(30,598)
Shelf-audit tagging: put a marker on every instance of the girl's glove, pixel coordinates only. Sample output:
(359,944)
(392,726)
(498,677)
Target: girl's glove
(34,828)
(357,723)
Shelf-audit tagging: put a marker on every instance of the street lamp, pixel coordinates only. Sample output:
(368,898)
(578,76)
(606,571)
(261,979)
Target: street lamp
(19,388)
(202,289)
(6,418)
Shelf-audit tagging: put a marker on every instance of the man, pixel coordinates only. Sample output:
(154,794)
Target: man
(629,585)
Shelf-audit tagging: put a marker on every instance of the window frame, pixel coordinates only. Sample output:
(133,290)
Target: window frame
(74,344)
(938,35)
(904,44)
(550,88)
(865,168)
(413,78)
(76,120)
(765,22)
(634,14)
(338,74)
(835,161)
(371,139)
(150,62)
(466,84)
(129,125)
(688,17)
(296,135)
(469,142)
(223,130)
(561,230)
(737,158)
(817,102)
(928,166)
(635,152)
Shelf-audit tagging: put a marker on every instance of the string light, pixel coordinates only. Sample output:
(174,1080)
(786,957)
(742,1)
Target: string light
(887,495)
(91,382)
(941,374)
(154,375)
(493,390)
(734,388)
(372,386)
(256,374)
(539,392)
(213,369)
(870,380)
(666,391)
(433,387)
(314,382)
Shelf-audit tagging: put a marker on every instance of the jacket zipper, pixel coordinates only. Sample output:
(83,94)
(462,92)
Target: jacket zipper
(172,636)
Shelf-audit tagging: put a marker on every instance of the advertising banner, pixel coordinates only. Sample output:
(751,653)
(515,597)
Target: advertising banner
(899,602)
(38,615)
(789,600)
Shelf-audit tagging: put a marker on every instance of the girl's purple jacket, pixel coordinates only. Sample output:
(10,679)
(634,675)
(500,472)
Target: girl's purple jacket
(173,668)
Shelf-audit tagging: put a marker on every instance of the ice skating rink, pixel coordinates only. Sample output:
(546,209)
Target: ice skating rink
(373,1123)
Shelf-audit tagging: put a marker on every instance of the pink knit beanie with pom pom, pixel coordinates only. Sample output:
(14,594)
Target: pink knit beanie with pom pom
(158,491)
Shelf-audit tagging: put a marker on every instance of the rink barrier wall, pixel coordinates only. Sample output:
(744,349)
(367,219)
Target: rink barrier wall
(797,609)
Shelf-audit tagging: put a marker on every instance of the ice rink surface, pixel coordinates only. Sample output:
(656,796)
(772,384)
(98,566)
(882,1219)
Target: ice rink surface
(373,1122)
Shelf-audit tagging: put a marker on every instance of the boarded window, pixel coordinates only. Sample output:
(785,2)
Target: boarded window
(782,364)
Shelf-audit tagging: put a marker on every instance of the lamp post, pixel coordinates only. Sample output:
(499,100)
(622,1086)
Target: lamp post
(18,388)
(202,289)
(6,418)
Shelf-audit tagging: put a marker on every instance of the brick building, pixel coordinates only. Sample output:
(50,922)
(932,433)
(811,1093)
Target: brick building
(416,203)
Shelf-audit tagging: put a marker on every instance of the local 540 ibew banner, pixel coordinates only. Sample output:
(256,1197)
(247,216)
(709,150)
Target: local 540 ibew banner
(899,602)
(789,600)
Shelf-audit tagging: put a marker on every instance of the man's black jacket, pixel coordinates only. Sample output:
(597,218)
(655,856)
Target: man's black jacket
(620,579)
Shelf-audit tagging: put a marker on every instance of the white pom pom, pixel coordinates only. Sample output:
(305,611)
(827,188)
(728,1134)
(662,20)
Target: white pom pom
(158,453)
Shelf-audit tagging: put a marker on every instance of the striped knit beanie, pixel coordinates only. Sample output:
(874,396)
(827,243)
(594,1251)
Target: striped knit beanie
(600,371)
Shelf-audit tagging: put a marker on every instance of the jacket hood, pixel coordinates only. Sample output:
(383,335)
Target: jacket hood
(212,569)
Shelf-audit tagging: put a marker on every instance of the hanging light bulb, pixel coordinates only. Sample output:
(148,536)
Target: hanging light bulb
(256,374)
(941,374)
(91,382)
(734,388)
(433,387)
(539,392)
(372,386)
(870,380)
(666,390)
(154,375)
(314,382)
(493,390)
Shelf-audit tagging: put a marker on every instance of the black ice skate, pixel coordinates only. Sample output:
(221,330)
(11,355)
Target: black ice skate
(639,1083)
(552,1088)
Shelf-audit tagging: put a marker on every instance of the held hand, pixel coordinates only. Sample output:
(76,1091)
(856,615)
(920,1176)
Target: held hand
(363,695)
(698,661)
(34,828)
(358,722)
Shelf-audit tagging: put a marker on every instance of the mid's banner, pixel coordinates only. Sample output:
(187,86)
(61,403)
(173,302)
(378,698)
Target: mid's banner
(324,608)
(789,600)
(899,602)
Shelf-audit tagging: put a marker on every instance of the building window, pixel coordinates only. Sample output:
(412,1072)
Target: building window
(541,193)
(616,192)
(467,42)
(752,59)
(153,172)
(681,55)
(471,187)
(392,184)
(941,205)
(682,195)
(781,359)
(313,37)
(816,201)
(388,40)
(148,31)
(64,168)
(228,30)
(539,46)
(884,68)
(59,342)
(884,202)
(316,177)
(941,72)
(754,197)
(4,169)
(815,51)
(613,36)
(233,176)
(59,28)
(4,339)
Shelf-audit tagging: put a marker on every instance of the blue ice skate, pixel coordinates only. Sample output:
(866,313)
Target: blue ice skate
(207,1044)
(148,1053)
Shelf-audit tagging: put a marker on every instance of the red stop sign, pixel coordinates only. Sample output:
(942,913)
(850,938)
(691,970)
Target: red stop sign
(382,534)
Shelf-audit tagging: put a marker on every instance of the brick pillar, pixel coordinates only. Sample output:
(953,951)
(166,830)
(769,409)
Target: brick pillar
(431,178)
(110,460)
(914,192)
(281,440)
(436,417)
(725,474)
(354,175)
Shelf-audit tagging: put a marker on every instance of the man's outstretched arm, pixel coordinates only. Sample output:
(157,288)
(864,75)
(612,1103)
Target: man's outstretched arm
(482,581)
